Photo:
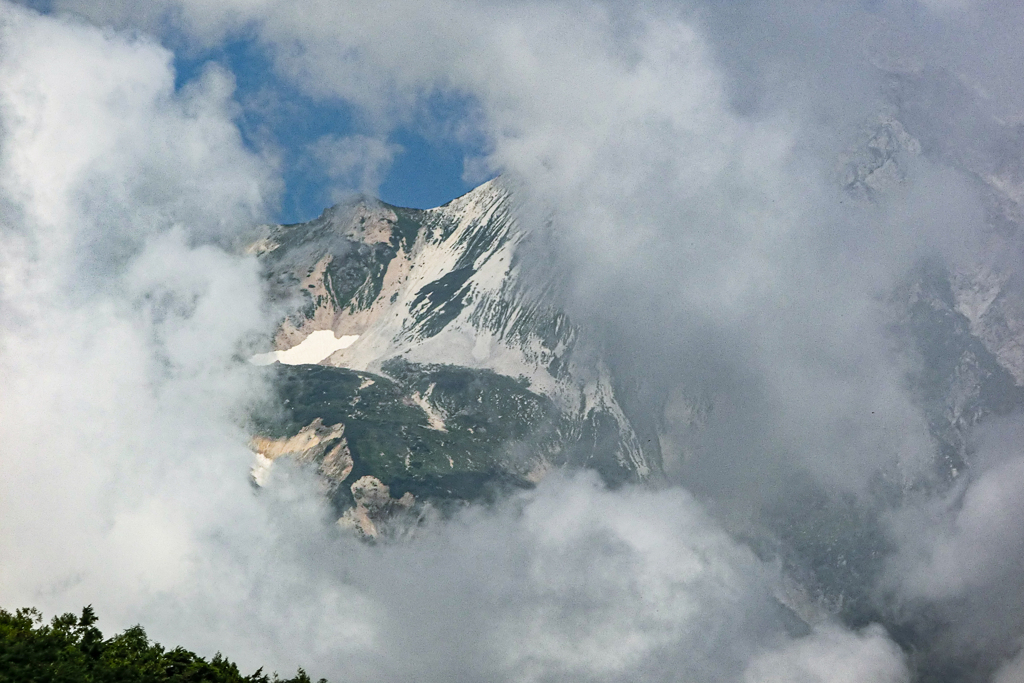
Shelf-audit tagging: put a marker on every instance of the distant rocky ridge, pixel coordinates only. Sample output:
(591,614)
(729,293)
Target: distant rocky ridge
(965,316)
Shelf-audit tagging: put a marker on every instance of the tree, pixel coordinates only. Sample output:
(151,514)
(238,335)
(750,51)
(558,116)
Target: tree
(71,649)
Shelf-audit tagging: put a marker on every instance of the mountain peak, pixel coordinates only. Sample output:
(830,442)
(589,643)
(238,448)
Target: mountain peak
(433,300)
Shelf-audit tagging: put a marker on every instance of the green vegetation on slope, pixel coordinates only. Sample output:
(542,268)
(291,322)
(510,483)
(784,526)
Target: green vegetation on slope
(70,649)
(494,428)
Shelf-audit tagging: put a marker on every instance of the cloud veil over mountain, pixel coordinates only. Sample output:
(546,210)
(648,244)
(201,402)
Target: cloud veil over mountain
(791,234)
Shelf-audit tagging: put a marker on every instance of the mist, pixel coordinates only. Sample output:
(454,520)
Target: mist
(726,198)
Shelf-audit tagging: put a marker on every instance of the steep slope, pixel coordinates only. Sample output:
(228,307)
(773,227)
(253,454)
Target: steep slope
(419,297)
(961,318)
(965,317)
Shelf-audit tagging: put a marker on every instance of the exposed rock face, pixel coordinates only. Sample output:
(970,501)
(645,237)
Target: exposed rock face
(374,509)
(439,289)
(991,301)
(312,443)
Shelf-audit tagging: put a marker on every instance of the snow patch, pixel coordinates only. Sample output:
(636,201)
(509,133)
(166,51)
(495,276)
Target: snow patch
(311,350)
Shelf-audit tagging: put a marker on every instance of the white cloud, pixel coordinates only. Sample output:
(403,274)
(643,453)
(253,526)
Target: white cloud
(832,656)
(119,325)
(354,162)
(971,540)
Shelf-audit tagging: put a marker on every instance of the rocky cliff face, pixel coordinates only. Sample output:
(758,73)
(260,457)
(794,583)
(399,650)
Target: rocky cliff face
(965,315)
(491,377)
(960,317)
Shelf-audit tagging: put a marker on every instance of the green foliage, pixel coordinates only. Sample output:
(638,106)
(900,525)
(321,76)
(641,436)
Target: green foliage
(494,425)
(70,649)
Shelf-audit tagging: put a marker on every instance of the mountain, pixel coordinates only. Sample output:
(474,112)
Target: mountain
(964,315)
(416,363)
(419,365)
(420,362)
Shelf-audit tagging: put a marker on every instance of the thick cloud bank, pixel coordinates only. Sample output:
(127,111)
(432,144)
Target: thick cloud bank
(682,164)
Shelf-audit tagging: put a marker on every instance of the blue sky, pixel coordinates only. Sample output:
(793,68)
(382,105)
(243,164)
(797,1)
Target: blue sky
(426,172)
